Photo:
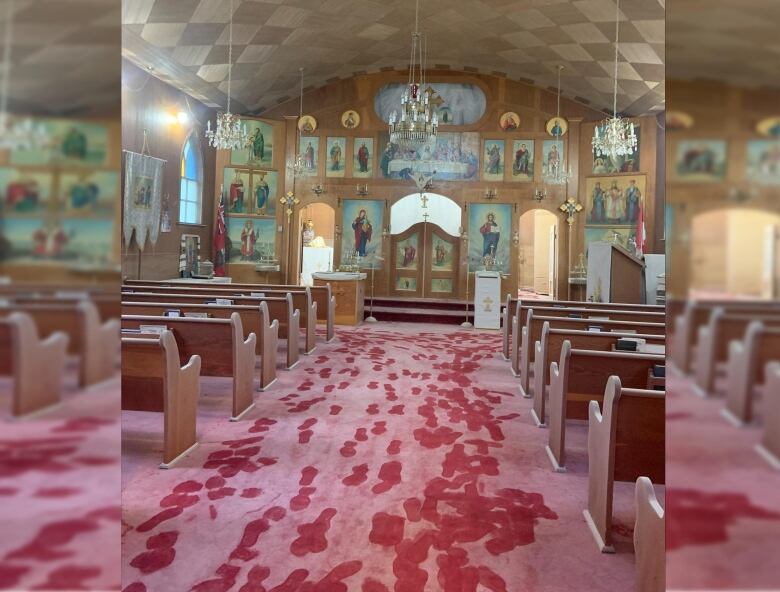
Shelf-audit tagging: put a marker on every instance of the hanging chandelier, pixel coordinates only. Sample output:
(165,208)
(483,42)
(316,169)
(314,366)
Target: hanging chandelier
(615,136)
(297,166)
(229,133)
(417,125)
(22,134)
(556,173)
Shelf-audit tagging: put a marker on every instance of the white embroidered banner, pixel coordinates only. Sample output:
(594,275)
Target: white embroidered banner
(142,198)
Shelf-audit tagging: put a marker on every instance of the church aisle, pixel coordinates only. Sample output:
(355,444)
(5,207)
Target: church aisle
(396,458)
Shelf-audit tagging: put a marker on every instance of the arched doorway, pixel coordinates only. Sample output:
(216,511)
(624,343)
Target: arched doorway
(317,227)
(425,255)
(720,240)
(538,252)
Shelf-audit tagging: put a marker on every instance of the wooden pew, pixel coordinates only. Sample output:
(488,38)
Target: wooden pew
(153,381)
(254,319)
(510,310)
(322,295)
(221,346)
(36,365)
(649,539)
(697,314)
(581,377)
(625,442)
(769,447)
(714,340)
(108,305)
(95,344)
(746,370)
(302,302)
(279,309)
(548,349)
(523,354)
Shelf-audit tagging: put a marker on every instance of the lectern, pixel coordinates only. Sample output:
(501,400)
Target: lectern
(614,274)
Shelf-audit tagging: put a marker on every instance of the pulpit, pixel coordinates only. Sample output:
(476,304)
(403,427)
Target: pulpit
(350,292)
(487,300)
(614,274)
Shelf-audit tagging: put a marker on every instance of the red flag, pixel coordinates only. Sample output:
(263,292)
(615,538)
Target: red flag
(641,239)
(219,239)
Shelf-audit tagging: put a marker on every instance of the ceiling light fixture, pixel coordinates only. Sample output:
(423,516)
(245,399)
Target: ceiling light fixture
(297,166)
(555,172)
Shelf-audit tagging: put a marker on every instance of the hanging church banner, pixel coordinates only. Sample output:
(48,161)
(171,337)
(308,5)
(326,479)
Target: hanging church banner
(363,158)
(142,196)
(336,153)
(490,229)
(260,151)
(250,240)
(454,157)
(362,224)
(453,103)
(606,165)
(614,201)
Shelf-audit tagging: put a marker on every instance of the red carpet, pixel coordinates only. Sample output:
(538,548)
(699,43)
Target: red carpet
(391,459)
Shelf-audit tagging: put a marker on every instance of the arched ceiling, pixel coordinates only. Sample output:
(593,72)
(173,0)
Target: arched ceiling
(185,43)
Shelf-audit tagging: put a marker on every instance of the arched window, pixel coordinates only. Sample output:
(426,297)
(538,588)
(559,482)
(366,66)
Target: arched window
(190,197)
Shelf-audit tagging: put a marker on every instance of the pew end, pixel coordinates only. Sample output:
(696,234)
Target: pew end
(769,447)
(649,539)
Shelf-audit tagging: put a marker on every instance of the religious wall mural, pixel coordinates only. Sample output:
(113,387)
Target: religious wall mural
(454,103)
(236,187)
(614,201)
(629,163)
(454,157)
(441,255)
(71,143)
(406,253)
(25,192)
(250,240)
(363,157)
(259,152)
(493,160)
(490,230)
(361,235)
(698,161)
(441,285)
(250,191)
(522,161)
(336,157)
(94,193)
(763,162)
(309,148)
(553,155)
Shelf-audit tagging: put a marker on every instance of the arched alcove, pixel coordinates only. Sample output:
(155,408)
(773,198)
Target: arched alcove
(409,210)
(538,251)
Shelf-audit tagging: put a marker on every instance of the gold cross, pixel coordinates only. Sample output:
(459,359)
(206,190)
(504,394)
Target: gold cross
(487,304)
(570,207)
(425,216)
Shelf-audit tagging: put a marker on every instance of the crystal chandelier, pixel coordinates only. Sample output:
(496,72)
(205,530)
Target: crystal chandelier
(229,133)
(615,136)
(417,124)
(22,134)
(556,173)
(297,166)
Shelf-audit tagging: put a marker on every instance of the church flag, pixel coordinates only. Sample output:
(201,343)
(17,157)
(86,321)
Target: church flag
(142,198)
(641,239)
(219,239)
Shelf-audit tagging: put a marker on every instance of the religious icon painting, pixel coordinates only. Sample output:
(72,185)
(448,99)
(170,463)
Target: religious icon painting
(362,223)
(263,193)
(769,127)
(553,155)
(490,229)
(406,253)
(614,201)
(441,285)
(25,192)
(336,157)
(350,119)
(141,192)
(309,148)
(406,284)
(700,161)
(763,162)
(677,120)
(73,143)
(493,160)
(89,194)
(236,188)
(557,126)
(307,124)
(441,256)
(604,164)
(259,151)
(81,239)
(363,158)
(523,161)
(250,240)
(509,121)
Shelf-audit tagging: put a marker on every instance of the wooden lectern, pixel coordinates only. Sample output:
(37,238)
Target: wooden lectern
(614,274)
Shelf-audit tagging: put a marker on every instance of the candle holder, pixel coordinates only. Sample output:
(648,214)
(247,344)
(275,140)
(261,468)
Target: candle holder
(361,190)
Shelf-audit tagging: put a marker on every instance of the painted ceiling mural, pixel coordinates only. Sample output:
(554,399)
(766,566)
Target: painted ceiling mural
(454,103)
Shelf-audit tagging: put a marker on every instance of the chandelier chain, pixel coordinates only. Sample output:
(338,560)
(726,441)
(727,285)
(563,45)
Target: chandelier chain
(230,55)
(617,33)
(6,57)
